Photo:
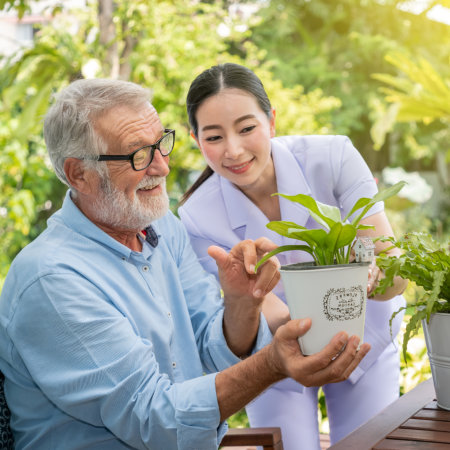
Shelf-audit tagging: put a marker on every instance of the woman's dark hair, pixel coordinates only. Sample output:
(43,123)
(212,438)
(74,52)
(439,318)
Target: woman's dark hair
(211,82)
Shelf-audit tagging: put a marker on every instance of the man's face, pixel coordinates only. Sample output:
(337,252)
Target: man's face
(129,199)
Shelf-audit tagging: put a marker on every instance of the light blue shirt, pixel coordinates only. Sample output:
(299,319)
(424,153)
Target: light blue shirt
(106,348)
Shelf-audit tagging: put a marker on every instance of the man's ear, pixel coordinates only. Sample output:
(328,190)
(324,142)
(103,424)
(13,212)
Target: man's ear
(78,177)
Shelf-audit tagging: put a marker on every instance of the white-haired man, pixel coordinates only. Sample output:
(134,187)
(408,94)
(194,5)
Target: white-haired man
(111,334)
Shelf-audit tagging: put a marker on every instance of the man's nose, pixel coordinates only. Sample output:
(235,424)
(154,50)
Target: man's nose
(159,165)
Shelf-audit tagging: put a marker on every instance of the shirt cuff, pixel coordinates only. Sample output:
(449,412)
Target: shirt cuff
(197,415)
(264,336)
(221,354)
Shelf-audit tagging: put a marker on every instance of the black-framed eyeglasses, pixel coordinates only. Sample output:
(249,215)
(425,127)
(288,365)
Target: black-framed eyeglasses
(142,157)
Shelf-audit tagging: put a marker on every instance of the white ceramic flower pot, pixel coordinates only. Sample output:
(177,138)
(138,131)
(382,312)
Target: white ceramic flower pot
(437,337)
(334,297)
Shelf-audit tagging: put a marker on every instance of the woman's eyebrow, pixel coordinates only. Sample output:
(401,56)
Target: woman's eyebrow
(211,127)
(238,120)
(247,116)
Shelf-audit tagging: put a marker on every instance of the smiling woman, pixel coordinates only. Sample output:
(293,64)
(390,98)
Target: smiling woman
(233,123)
(238,148)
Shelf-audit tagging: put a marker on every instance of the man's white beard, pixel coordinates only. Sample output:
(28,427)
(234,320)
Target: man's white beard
(115,209)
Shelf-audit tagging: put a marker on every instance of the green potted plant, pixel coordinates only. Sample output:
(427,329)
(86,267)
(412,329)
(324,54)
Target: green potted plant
(330,290)
(427,264)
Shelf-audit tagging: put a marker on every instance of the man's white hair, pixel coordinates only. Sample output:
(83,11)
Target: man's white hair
(69,124)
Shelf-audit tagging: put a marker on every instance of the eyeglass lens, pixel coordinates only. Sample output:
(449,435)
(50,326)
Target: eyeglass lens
(143,158)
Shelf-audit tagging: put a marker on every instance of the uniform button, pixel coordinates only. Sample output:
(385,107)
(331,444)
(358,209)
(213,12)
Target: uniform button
(123,258)
(169,314)
(145,268)
(174,364)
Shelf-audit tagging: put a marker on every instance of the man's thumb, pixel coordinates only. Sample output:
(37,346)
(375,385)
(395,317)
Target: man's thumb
(219,254)
(294,328)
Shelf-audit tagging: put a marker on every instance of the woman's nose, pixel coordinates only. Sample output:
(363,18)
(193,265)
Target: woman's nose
(233,148)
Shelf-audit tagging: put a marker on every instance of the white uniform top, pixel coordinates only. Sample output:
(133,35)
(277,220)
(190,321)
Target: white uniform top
(327,167)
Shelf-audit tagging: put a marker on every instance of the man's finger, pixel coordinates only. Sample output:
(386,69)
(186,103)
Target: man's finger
(219,255)
(344,364)
(265,245)
(268,277)
(248,249)
(322,359)
(294,329)
(361,353)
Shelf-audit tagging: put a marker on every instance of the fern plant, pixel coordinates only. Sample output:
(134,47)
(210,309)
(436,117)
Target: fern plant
(426,263)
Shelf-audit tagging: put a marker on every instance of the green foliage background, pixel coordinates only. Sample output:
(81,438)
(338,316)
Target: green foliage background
(317,61)
(364,68)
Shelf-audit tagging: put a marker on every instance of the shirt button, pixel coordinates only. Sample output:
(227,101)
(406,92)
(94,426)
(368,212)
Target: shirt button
(145,268)
(169,314)
(123,258)
(174,364)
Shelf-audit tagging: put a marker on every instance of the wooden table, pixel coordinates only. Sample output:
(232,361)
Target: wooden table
(414,421)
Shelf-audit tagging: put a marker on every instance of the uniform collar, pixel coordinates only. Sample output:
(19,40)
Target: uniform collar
(242,212)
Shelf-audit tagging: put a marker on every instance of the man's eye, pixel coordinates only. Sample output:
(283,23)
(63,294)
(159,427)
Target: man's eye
(140,156)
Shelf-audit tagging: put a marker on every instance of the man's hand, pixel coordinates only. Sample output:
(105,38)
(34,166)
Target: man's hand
(237,269)
(242,382)
(333,364)
(244,290)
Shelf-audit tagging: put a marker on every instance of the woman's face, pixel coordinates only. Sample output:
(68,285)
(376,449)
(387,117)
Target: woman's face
(234,136)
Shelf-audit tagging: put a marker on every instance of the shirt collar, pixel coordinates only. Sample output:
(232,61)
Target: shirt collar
(74,218)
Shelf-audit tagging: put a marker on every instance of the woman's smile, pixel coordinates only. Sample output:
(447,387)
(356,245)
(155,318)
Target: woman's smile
(240,168)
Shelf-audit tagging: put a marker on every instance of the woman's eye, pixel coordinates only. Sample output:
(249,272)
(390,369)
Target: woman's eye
(248,129)
(212,138)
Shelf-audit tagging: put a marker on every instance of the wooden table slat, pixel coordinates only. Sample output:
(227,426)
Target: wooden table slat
(255,436)
(423,424)
(433,414)
(420,435)
(394,444)
(374,431)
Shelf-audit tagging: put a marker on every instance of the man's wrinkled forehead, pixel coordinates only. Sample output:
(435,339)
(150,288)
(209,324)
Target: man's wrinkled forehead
(125,121)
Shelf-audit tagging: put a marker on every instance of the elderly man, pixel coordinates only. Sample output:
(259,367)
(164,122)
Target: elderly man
(111,334)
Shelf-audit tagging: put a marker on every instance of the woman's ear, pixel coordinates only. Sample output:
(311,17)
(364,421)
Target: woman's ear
(195,138)
(272,123)
(78,177)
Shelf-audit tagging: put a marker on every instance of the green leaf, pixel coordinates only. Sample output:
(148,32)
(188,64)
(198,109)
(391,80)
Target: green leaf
(280,249)
(361,202)
(282,227)
(365,227)
(379,197)
(324,215)
(314,238)
(389,192)
(338,237)
(412,328)
(438,281)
